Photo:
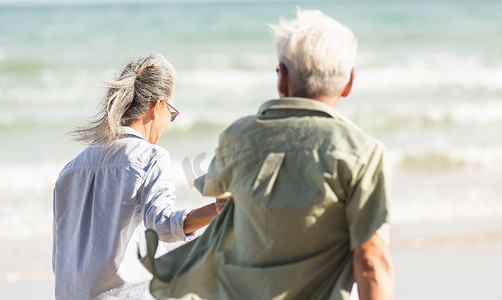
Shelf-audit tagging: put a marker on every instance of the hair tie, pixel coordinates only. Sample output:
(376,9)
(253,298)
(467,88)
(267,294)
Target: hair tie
(144,70)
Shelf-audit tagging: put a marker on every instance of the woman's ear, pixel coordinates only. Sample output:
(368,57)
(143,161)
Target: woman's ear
(155,109)
(348,87)
(159,104)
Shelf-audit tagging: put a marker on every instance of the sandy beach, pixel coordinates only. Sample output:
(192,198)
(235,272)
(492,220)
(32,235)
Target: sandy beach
(453,268)
(433,268)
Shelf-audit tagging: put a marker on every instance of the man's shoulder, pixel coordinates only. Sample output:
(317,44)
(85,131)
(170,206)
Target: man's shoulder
(352,130)
(338,132)
(241,123)
(326,131)
(237,127)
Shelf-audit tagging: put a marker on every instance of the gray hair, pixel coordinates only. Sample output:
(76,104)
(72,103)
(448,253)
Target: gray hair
(317,51)
(129,97)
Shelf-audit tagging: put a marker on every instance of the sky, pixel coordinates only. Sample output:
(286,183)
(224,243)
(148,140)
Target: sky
(38,2)
(43,2)
(35,2)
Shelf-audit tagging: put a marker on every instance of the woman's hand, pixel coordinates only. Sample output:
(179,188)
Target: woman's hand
(220,201)
(202,216)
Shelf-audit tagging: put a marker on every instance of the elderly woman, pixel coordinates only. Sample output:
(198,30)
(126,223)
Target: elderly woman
(120,184)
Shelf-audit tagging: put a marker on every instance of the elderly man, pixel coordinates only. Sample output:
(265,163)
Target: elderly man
(309,213)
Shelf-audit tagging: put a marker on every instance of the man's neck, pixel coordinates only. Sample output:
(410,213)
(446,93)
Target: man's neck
(330,100)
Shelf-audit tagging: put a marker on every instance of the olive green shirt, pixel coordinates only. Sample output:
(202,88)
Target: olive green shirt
(308,186)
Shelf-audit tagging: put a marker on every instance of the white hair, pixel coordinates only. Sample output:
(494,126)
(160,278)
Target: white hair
(141,83)
(317,51)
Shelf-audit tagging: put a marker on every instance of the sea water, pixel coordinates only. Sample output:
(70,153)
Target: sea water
(428,84)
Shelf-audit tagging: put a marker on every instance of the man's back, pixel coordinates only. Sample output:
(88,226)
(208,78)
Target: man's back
(297,183)
(310,208)
(308,187)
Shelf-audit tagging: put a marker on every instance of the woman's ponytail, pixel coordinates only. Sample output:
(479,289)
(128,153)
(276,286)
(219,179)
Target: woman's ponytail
(129,97)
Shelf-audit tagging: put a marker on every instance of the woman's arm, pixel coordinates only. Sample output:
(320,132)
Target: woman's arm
(199,218)
(202,216)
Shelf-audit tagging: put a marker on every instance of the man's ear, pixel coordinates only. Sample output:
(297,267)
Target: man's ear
(282,84)
(348,87)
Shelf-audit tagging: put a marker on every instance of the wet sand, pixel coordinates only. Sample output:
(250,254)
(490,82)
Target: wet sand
(453,268)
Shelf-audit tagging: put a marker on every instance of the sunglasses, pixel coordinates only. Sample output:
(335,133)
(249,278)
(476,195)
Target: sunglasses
(174,112)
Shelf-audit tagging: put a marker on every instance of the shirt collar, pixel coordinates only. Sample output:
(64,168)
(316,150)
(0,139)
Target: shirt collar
(300,104)
(130,131)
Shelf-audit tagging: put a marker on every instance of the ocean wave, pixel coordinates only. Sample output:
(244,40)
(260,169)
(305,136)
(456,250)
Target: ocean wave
(401,114)
(33,177)
(455,195)
(254,73)
(40,176)
(430,71)
(444,160)
(226,87)
(26,210)
(374,71)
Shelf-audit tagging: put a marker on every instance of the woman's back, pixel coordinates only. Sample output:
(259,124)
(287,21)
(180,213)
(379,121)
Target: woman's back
(98,195)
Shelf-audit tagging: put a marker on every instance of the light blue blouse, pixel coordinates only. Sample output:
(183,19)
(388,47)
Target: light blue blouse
(103,200)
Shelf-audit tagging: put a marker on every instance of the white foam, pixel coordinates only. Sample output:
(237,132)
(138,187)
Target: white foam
(453,196)
(489,157)
(476,157)
(435,206)
(27,199)
(225,85)
(426,71)
(481,113)
(32,177)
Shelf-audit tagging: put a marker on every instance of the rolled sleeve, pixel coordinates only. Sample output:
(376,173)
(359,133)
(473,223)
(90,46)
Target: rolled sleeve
(158,205)
(176,220)
(368,207)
